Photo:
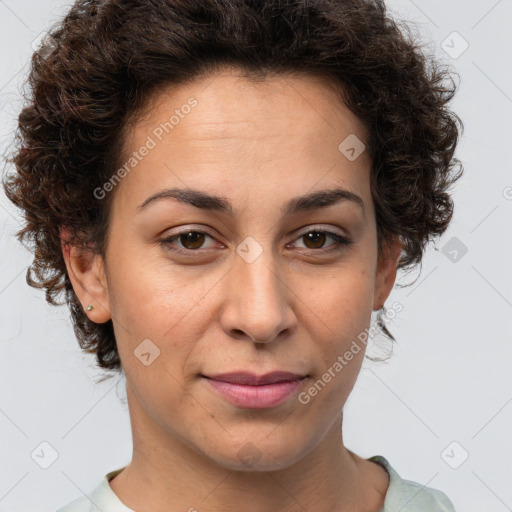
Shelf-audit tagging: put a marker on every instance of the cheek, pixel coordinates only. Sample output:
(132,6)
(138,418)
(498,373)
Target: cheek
(343,300)
(338,316)
(155,313)
(345,313)
(161,303)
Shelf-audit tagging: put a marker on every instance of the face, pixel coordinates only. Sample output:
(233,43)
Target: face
(253,281)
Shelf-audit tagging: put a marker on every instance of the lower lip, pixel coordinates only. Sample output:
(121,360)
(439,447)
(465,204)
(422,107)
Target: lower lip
(256,397)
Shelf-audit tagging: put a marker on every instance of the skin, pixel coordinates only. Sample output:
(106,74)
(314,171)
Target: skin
(297,307)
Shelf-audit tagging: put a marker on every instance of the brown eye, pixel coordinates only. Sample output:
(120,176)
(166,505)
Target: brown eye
(315,238)
(187,241)
(191,242)
(192,239)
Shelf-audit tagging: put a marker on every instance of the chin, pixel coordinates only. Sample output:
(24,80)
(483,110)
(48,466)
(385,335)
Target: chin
(262,455)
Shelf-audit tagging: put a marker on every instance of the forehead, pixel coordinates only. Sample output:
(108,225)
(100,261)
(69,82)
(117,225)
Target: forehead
(226,130)
(229,99)
(230,90)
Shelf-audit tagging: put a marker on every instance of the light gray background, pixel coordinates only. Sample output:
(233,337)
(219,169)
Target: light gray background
(449,379)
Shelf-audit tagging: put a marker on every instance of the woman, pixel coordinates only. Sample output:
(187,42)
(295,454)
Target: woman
(225,190)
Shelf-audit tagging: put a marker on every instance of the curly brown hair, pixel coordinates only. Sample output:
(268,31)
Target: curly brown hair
(105,59)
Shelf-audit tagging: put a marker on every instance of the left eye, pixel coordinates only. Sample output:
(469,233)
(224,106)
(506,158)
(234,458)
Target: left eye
(318,237)
(193,239)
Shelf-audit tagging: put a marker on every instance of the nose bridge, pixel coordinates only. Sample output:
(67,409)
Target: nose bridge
(259,296)
(257,272)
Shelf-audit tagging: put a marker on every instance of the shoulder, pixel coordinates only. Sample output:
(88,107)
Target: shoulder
(100,499)
(411,496)
(82,504)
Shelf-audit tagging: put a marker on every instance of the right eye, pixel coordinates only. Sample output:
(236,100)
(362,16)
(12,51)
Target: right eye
(190,239)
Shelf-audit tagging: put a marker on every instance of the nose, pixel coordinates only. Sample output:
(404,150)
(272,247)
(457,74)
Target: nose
(259,303)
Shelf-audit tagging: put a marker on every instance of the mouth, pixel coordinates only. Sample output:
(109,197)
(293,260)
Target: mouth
(251,391)
(251,379)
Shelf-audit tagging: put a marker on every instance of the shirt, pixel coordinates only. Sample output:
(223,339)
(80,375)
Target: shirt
(401,496)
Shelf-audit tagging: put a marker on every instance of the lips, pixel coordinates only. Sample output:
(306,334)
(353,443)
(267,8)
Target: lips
(250,391)
(250,379)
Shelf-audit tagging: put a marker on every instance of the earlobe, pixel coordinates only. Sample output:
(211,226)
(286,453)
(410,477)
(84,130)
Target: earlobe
(86,271)
(386,271)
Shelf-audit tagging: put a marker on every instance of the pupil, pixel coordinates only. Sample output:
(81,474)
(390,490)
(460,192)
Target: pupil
(193,237)
(313,236)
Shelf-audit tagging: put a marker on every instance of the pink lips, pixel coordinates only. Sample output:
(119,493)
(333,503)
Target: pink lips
(256,392)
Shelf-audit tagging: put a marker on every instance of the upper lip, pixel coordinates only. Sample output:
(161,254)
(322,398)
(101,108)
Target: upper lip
(255,380)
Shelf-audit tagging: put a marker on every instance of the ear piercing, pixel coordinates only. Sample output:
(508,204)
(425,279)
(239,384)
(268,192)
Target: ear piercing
(90,307)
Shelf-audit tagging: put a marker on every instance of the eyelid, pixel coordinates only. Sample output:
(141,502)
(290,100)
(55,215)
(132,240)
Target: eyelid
(322,228)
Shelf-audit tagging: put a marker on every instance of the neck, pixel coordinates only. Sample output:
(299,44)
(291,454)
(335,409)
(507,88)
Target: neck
(166,473)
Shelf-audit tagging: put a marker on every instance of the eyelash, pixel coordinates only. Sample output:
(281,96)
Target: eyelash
(340,242)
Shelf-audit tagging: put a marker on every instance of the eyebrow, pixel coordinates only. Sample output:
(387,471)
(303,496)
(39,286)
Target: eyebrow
(205,201)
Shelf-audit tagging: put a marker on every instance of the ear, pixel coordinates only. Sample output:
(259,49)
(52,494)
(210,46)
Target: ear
(86,272)
(386,271)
